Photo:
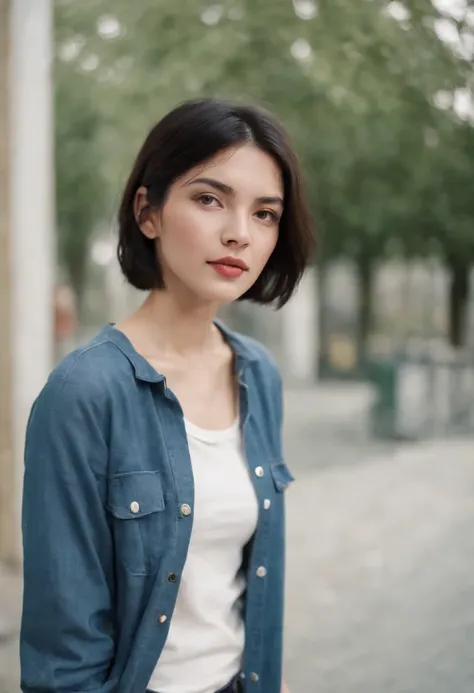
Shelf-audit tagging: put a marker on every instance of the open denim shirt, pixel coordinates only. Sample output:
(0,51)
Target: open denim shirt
(108,513)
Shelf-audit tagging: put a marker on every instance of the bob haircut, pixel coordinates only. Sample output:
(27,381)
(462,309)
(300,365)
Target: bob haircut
(189,135)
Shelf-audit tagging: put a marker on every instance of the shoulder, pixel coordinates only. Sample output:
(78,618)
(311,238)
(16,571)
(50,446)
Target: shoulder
(87,377)
(253,350)
(259,357)
(264,357)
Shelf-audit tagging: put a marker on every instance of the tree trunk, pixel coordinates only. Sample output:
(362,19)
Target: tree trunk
(459,269)
(322,326)
(365,271)
(77,276)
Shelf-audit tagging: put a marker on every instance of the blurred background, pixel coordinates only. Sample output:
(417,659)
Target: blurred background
(376,348)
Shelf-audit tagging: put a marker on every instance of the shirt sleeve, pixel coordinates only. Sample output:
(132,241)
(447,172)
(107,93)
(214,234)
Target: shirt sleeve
(67,639)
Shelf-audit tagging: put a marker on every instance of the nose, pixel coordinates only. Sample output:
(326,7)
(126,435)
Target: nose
(237,232)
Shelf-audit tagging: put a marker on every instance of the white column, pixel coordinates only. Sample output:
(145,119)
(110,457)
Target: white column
(7,504)
(300,333)
(32,217)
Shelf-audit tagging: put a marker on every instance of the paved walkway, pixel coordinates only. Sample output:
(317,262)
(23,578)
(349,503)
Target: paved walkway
(380,574)
(10,596)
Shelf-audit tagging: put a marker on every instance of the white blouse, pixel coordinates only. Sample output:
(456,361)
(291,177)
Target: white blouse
(205,643)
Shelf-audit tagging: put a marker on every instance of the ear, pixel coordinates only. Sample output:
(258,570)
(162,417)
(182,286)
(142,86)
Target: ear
(146,218)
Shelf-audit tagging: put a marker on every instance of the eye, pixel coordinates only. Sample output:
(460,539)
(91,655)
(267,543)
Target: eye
(207,200)
(267,215)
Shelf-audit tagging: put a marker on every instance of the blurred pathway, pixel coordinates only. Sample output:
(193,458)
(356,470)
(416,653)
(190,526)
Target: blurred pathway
(380,574)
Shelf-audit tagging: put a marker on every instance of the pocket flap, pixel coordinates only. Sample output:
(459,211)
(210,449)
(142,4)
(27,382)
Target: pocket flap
(282,477)
(132,495)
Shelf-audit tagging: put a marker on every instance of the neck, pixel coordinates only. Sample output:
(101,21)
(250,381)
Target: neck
(175,327)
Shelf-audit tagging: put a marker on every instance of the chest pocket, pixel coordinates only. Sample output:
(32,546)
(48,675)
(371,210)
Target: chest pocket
(136,502)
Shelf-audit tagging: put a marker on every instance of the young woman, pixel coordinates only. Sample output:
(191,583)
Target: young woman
(153,516)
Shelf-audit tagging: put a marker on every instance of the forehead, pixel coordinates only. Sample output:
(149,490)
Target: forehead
(244,168)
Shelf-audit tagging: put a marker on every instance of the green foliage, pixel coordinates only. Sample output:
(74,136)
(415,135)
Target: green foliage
(386,168)
(80,188)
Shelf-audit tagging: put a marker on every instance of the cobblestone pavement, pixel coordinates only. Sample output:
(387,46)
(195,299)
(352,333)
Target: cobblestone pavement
(380,552)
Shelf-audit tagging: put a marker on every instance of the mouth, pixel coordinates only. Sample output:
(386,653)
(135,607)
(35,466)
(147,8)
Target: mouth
(229,267)
(230,262)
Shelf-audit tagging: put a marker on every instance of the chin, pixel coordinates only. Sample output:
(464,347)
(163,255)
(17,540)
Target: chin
(220,294)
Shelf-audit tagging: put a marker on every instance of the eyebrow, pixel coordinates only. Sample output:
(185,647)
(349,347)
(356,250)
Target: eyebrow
(228,190)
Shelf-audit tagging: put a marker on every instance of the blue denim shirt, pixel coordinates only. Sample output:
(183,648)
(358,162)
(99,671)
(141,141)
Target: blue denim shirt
(108,514)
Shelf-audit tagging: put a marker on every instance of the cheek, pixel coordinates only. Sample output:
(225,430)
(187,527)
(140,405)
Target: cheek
(184,228)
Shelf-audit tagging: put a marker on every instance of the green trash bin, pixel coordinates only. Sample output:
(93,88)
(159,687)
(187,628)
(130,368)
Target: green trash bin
(383,375)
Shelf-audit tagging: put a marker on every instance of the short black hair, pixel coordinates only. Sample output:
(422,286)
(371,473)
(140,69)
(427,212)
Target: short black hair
(190,134)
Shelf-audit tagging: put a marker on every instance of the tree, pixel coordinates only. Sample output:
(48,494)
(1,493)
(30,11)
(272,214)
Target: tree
(382,77)
(80,188)
(356,83)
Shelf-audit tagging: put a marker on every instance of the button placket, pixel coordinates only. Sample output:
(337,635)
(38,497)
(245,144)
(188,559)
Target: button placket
(261,570)
(258,570)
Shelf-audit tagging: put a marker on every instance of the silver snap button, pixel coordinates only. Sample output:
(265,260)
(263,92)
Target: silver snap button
(134,507)
(259,471)
(261,571)
(163,618)
(254,677)
(266,503)
(185,510)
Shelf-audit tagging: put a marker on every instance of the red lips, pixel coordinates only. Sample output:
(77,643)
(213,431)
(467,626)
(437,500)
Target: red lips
(230,262)
(229,267)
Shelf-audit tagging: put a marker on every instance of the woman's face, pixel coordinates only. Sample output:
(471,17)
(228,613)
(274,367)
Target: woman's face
(227,209)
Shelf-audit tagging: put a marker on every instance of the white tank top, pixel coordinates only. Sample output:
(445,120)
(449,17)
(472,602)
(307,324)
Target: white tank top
(205,643)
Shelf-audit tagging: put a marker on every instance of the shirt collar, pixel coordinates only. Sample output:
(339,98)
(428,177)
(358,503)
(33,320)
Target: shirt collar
(243,349)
